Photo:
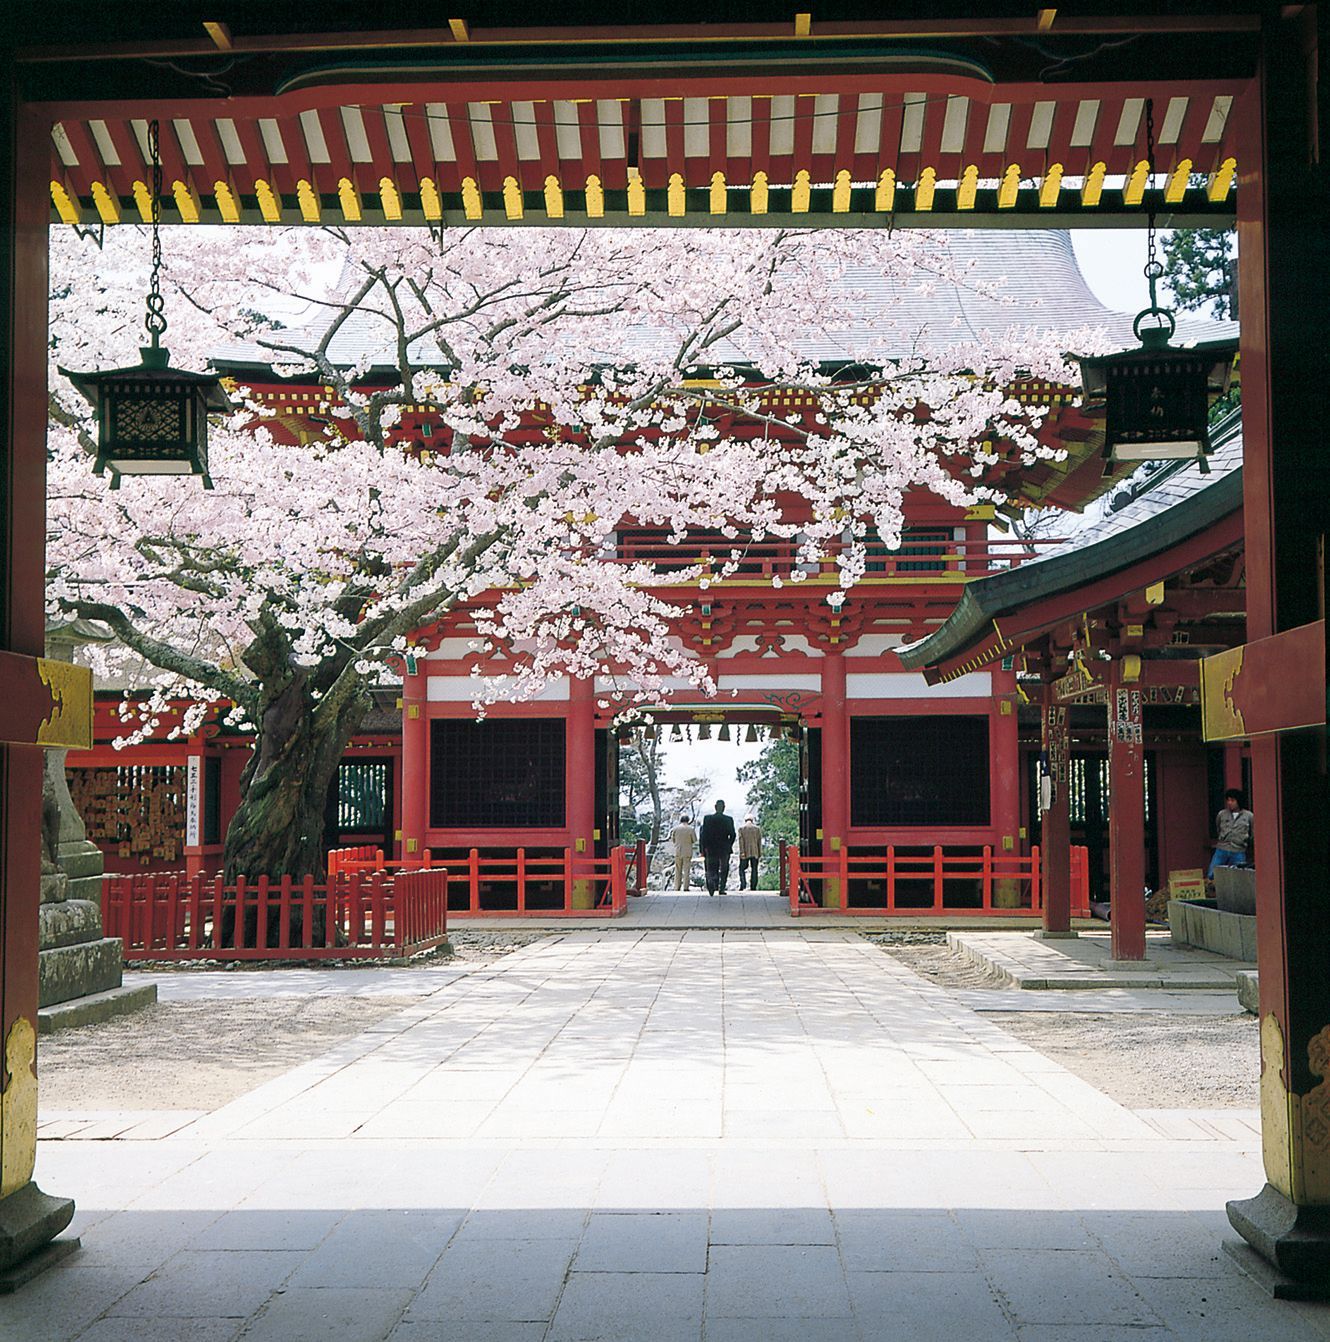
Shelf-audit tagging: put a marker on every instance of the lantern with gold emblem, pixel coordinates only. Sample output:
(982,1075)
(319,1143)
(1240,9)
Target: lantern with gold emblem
(152,419)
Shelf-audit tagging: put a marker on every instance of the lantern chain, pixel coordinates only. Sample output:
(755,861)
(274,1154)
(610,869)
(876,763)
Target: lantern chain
(1153,269)
(156,319)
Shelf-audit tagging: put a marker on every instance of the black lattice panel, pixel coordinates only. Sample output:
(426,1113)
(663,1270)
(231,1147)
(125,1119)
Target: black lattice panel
(919,771)
(505,773)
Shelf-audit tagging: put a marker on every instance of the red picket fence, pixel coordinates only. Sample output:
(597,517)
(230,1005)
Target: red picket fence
(518,884)
(170,916)
(914,884)
(365,857)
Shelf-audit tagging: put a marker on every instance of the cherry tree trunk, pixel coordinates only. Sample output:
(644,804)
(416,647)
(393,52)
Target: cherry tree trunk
(278,829)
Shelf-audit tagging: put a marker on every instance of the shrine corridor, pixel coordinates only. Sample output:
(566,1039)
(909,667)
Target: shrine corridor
(646,1135)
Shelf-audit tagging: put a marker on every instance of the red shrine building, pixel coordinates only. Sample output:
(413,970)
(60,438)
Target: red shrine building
(892,759)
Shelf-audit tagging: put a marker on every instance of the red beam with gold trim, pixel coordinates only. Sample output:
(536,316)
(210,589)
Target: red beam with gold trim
(47,702)
(1275,684)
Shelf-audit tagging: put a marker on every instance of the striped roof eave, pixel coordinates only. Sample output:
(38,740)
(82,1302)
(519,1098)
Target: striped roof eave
(706,150)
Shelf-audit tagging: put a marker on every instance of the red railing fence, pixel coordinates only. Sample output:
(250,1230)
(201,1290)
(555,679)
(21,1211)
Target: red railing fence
(911,883)
(171,916)
(518,883)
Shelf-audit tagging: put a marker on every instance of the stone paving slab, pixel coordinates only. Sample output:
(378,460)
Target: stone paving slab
(945,1181)
(764,909)
(1104,1001)
(1084,963)
(201,985)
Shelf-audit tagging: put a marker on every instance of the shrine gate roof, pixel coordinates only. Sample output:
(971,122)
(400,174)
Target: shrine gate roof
(909,137)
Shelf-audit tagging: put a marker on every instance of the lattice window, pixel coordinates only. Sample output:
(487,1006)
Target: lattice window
(139,810)
(504,773)
(363,797)
(919,770)
(931,544)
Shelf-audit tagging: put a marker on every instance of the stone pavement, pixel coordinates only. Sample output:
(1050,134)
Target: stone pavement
(1084,962)
(762,908)
(648,1136)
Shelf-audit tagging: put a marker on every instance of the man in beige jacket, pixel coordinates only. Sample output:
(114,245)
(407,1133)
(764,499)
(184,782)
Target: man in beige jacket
(750,849)
(684,839)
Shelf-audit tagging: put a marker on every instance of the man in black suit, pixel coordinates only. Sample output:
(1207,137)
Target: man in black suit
(716,842)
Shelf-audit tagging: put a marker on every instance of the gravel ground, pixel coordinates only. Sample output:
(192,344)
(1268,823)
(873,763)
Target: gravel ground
(196,1055)
(201,1055)
(486,947)
(1152,1061)
(1146,1061)
(935,962)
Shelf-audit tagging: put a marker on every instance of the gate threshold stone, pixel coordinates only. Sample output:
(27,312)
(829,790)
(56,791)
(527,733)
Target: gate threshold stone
(1024,960)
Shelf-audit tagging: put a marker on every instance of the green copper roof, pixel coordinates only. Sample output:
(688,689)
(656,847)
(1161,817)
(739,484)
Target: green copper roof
(987,599)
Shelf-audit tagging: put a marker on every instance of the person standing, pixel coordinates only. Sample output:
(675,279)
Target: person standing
(1233,827)
(683,837)
(750,849)
(717,842)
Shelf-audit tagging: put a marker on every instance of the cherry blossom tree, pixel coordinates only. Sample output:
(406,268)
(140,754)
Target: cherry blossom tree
(580,378)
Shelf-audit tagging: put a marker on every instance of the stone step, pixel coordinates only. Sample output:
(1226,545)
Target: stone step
(96,1007)
(66,972)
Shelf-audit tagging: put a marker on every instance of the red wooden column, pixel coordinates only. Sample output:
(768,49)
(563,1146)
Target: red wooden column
(580,782)
(415,763)
(1004,754)
(1284,239)
(29,1218)
(835,769)
(1126,817)
(1055,814)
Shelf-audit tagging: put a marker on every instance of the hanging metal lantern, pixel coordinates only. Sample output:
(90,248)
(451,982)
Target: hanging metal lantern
(751,734)
(724,733)
(152,419)
(676,733)
(1157,397)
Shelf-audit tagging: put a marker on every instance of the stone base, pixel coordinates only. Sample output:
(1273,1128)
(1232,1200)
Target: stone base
(96,1007)
(1249,991)
(66,972)
(1043,934)
(68,922)
(1235,889)
(29,1221)
(1271,1280)
(1293,1240)
(82,863)
(1141,964)
(1194,923)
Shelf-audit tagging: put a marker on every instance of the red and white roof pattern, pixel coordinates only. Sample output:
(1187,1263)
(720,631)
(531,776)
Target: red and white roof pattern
(446,153)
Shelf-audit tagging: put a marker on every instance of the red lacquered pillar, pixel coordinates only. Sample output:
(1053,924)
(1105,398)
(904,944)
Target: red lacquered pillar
(1126,817)
(1004,751)
(1284,236)
(415,764)
(1055,822)
(580,785)
(29,1218)
(835,771)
